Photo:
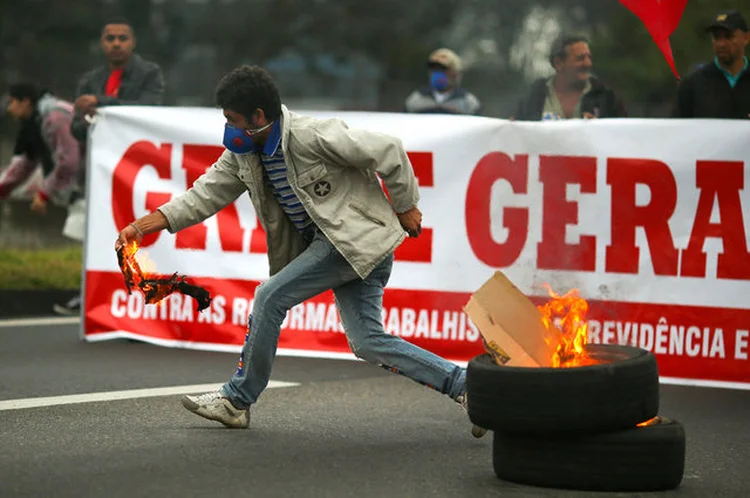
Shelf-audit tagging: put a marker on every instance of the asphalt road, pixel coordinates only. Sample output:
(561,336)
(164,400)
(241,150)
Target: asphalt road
(347,429)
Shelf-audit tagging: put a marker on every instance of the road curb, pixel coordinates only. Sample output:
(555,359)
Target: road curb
(18,303)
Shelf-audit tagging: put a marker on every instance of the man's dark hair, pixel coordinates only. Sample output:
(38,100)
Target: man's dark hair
(559,49)
(118,20)
(25,90)
(247,88)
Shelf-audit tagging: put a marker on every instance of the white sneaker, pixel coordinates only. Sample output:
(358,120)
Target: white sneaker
(476,431)
(72,307)
(214,406)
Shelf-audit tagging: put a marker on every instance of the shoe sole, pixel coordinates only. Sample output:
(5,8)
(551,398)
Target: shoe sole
(62,310)
(478,432)
(193,407)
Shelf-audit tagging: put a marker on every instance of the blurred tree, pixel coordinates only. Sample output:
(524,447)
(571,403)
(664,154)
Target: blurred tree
(47,41)
(504,43)
(393,34)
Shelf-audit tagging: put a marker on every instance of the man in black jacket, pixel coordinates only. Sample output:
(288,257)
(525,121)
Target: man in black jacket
(125,79)
(572,92)
(719,89)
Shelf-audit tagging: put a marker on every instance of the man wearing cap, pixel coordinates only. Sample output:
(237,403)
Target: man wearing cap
(444,94)
(572,92)
(720,89)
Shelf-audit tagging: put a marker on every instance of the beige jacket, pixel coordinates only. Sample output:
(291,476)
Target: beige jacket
(332,169)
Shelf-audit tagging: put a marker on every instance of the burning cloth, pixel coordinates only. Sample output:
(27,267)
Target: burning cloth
(157,287)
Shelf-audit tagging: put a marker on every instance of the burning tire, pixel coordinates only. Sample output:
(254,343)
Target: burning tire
(615,394)
(647,458)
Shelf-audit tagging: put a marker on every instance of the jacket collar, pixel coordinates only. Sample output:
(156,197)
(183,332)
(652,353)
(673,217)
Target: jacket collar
(727,73)
(45,104)
(134,61)
(285,119)
(48,103)
(596,84)
(274,139)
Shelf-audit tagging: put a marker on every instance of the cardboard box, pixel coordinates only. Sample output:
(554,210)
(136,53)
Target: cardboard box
(511,325)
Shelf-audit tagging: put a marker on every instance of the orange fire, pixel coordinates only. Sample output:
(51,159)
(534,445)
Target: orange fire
(136,268)
(142,275)
(142,268)
(650,421)
(568,314)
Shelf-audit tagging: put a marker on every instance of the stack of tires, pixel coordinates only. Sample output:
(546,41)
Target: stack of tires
(590,428)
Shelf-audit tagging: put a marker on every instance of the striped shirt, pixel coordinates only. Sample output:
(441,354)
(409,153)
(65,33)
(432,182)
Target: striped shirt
(272,157)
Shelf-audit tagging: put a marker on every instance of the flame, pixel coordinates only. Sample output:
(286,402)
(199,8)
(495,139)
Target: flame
(651,421)
(567,313)
(145,266)
(148,265)
(140,268)
(156,287)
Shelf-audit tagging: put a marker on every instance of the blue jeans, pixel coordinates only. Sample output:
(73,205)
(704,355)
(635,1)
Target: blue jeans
(319,268)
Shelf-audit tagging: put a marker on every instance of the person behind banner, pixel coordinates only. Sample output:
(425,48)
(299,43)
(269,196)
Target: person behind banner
(44,140)
(444,94)
(125,79)
(572,92)
(315,187)
(719,89)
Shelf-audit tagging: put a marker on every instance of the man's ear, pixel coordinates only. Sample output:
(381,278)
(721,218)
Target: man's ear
(259,118)
(556,63)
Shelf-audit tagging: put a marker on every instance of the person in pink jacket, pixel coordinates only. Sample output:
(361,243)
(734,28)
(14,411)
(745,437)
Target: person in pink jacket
(44,139)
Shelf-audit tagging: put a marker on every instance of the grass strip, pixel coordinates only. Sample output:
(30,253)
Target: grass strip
(41,269)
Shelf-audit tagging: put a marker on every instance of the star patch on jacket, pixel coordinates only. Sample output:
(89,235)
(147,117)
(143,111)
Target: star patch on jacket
(322,188)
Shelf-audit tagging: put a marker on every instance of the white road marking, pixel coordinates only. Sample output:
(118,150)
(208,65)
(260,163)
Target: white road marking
(713,384)
(20,404)
(32,322)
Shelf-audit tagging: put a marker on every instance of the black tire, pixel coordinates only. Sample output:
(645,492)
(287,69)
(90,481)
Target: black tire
(593,399)
(650,458)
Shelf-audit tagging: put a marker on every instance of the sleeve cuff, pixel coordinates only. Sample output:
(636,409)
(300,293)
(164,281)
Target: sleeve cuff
(171,221)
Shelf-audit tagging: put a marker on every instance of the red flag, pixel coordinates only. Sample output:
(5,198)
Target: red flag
(661,18)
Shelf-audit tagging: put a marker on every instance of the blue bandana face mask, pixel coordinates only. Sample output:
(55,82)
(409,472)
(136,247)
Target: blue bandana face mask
(438,81)
(240,141)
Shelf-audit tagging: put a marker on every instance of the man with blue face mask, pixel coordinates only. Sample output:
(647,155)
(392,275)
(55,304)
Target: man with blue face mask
(315,188)
(443,95)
